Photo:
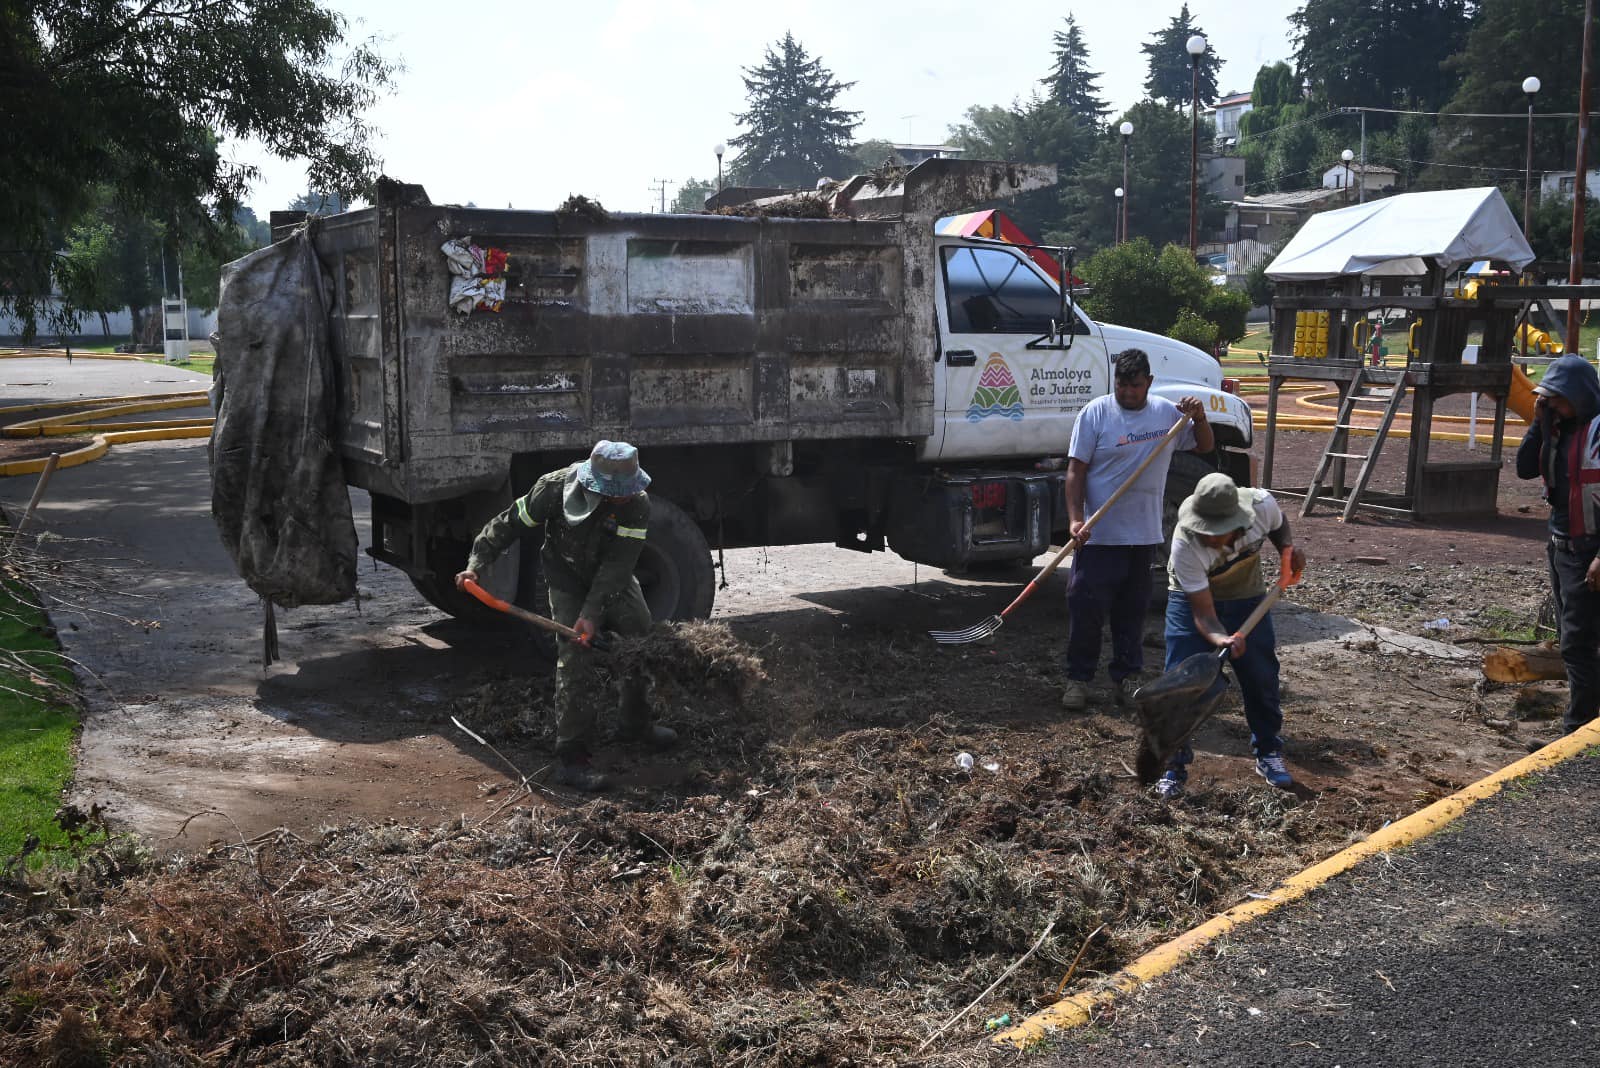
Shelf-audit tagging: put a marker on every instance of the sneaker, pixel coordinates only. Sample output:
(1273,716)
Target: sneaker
(1271,768)
(1125,691)
(1171,783)
(580,775)
(1074,696)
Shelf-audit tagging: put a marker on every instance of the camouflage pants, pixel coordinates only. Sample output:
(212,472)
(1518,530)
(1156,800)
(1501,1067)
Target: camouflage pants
(628,615)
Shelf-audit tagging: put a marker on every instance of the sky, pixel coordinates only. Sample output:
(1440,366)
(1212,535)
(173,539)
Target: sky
(610,98)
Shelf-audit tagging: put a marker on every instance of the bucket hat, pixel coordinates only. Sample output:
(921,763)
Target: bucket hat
(1217,506)
(612,470)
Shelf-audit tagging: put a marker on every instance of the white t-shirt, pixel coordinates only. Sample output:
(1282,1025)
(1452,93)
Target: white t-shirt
(1229,573)
(1113,441)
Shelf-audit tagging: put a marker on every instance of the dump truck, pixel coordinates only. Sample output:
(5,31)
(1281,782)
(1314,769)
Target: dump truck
(886,363)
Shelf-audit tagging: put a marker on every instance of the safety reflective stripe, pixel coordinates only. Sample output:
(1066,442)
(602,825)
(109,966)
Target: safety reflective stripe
(632,532)
(522,510)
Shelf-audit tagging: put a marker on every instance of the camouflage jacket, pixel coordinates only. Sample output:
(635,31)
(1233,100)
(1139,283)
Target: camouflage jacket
(593,558)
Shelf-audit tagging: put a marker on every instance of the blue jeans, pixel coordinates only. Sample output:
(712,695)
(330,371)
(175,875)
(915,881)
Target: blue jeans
(1108,581)
(1256,670)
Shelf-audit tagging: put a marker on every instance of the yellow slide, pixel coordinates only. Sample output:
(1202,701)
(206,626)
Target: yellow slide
(1520,400)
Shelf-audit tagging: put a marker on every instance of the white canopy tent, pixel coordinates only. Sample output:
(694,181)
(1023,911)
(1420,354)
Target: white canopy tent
(1399,235)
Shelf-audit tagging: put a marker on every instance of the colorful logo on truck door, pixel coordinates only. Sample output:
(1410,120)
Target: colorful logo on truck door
(997,392)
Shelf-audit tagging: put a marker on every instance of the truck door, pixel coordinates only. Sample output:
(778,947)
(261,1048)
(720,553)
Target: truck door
(1002,386)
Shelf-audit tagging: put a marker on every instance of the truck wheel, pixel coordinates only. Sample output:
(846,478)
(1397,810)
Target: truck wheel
(674,568)
(1185,473)
(514,576)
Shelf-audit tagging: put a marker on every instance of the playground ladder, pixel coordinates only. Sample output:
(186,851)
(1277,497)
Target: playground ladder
(1338,440)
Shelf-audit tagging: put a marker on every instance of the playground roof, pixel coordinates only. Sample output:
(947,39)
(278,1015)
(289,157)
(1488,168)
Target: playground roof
(1399,235)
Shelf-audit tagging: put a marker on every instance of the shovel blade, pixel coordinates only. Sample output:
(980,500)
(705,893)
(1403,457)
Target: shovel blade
(1173,706)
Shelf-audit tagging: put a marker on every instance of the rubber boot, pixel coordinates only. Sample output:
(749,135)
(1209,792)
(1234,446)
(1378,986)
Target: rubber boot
(579,774)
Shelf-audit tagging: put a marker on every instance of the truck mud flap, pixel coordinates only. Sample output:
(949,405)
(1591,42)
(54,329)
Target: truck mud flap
(955,521)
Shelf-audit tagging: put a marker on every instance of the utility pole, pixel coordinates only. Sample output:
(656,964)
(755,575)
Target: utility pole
(659,185)
(1575,266)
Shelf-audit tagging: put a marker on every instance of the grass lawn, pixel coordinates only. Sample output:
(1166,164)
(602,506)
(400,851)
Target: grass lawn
(37,727)
(196,362)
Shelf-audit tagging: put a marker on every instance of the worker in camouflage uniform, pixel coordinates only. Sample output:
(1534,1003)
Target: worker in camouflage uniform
(594,516)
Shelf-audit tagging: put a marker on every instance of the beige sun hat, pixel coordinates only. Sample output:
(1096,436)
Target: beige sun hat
(1217,506)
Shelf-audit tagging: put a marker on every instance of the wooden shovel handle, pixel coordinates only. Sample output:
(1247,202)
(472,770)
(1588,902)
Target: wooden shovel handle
(522,613)
(1127,484)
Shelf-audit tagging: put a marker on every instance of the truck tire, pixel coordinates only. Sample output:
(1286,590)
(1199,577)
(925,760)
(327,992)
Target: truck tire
(674,568)
(1187,470)
(447,556)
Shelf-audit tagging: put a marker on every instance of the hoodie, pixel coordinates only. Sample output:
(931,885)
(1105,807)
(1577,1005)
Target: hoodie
(1548,450)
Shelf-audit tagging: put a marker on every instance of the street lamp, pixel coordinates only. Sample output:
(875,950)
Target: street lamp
(1196,47)
(1530,85)
(1127,131)
(1347,156)
(719,148)
(1116,228)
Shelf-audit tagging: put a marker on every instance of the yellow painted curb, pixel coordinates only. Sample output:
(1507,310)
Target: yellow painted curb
(1076,1010)
(65,424)
(106,433)
(41,355)
(1259,420)
(93,451)
(89,402)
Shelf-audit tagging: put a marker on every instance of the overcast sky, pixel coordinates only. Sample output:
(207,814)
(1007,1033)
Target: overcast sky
(501,105)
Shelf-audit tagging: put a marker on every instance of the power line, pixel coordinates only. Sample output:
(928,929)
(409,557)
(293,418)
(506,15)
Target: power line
(1520,115)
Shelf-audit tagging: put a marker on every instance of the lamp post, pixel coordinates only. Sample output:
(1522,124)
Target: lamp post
(719,148)
(1347,156)
(1127,131)
(1116,222)
(1530,85)
(1196,47)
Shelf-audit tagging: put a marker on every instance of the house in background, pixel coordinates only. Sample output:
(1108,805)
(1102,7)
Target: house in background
(1553,184)
(1225,114)
(911,155)
(1223,176)
(1372,177)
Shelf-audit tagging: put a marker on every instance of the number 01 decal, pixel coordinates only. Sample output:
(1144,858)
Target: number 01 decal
(1216,403)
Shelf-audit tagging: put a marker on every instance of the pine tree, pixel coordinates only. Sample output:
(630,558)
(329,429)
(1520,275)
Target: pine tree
(1071,83)
(1169,79)
(794,133)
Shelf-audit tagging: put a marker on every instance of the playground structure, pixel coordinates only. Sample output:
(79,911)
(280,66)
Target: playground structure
(1347,266)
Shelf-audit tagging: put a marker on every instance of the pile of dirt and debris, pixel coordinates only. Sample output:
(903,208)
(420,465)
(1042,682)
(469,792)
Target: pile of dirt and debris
(798,206)
(838,909)
(830,885)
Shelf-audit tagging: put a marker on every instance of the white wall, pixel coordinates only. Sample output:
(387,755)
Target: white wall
(200,325)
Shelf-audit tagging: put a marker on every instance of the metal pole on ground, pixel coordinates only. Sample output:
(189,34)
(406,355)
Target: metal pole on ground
(1575,265)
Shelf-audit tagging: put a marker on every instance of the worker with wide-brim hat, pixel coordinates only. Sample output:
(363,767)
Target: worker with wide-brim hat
(594,517)
(1214,583)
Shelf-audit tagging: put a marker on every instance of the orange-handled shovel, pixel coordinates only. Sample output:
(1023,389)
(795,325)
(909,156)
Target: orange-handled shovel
(528,617)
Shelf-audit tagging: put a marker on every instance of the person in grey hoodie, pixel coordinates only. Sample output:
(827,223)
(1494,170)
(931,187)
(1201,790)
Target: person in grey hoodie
(1563,448)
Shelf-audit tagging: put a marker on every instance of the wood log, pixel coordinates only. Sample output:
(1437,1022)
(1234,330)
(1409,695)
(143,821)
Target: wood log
(1542,661)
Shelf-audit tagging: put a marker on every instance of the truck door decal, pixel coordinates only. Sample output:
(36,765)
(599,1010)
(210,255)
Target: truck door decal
(997,392)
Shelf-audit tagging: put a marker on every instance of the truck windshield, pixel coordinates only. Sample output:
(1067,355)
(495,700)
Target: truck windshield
(992,291)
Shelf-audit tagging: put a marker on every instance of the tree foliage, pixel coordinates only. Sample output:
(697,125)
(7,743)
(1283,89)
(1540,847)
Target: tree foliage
(1170,78)
(134,95)
(1137,286)
(1158,183)
(692,196)
(794,131)
(1509,40)
(1380,53)
(1035,131)
(1070,83)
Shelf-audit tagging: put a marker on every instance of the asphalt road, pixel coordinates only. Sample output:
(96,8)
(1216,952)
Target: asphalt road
(1476,946)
